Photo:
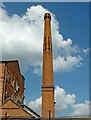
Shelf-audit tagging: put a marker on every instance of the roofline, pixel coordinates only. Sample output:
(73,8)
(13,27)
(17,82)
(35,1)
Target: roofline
(17,105)
(6,101)
(6,61)
(32,111)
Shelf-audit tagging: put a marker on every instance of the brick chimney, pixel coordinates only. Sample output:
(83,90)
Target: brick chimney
(48,79)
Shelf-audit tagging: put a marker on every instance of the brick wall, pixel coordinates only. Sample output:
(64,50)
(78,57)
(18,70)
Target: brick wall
(7,87)
(48,79)
(2,77)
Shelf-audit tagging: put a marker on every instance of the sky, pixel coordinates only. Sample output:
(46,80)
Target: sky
(21,35)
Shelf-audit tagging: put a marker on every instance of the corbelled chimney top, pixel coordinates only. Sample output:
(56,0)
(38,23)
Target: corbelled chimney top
(47,15)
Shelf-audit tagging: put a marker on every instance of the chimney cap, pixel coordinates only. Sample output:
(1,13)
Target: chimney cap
(47,15)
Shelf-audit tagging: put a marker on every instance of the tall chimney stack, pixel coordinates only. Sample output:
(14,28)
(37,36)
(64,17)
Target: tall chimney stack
(48,79)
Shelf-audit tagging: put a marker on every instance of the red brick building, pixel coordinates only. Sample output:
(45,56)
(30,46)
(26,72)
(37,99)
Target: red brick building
(12,92)
(12,82)
(10,109)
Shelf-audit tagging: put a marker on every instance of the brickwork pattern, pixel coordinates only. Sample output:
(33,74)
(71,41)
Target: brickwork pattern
(8,90)
(13,110)
(48,79)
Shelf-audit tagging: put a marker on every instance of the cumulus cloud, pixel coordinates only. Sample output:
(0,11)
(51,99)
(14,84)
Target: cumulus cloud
(67,63)
(81,109)
(2,5)
(22,39)
(36,105)
(62,101)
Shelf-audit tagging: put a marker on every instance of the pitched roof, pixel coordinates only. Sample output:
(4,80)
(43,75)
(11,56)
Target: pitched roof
(13,110)
(29,109)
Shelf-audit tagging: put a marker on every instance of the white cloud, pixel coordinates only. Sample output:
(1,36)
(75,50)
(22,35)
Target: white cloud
(2,5)
(62,63)
(22,39)
(81,109)
(36,105)
(62,101)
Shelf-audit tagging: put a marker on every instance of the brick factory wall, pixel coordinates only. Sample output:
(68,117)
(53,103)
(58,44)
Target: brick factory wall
(8,90)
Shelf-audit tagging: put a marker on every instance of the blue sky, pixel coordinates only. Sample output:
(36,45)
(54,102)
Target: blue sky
(73,19)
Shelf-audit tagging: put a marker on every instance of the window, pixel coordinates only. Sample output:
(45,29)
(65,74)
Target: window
(48,43)
(12,80)
(45,43)
(7,75)
(5,97)
(16,86)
